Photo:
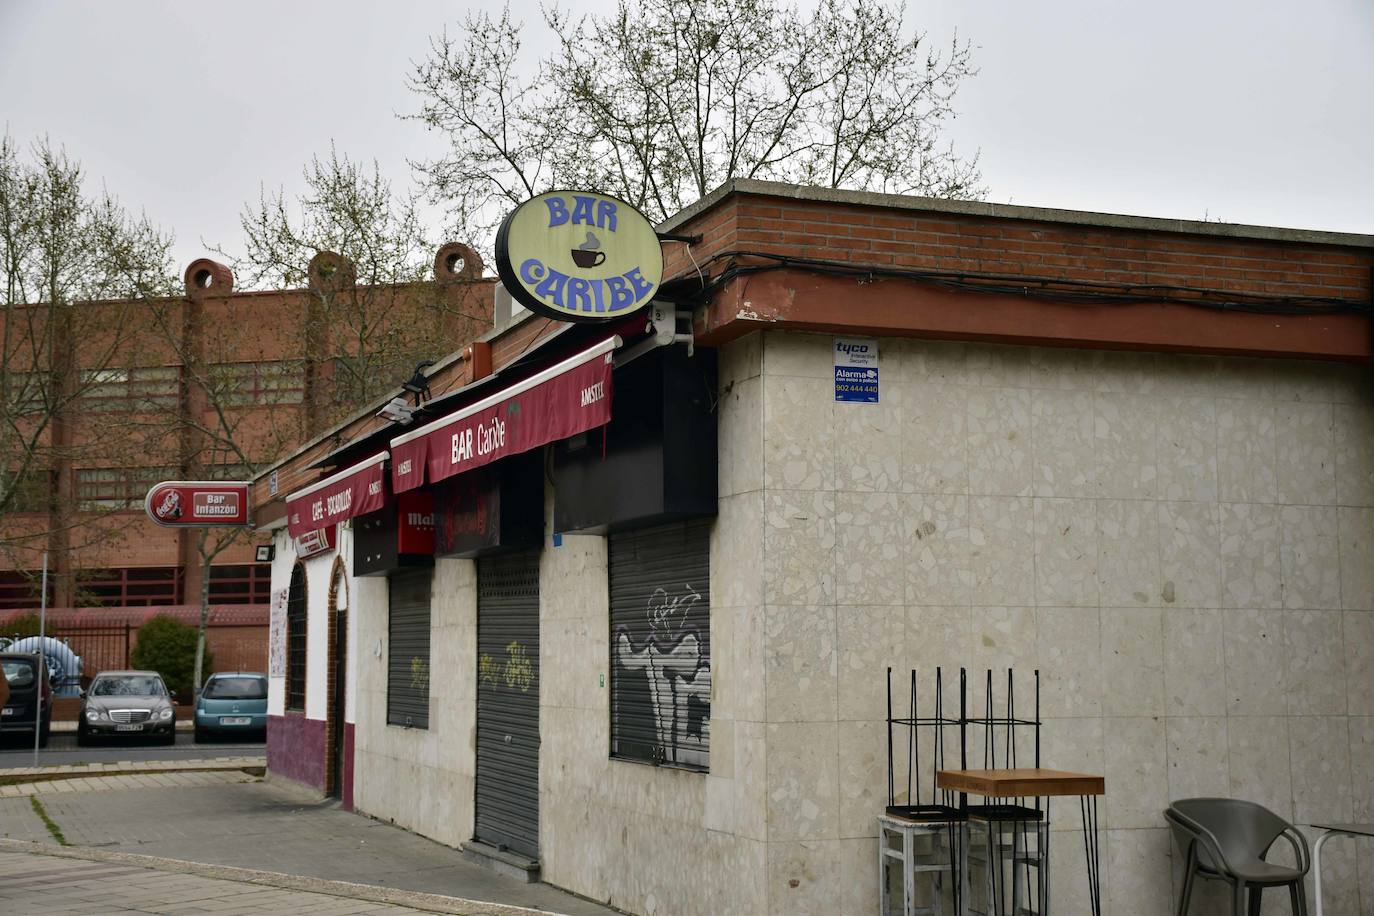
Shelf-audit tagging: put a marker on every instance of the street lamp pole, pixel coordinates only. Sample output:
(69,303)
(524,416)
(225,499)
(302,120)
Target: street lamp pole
(42,670)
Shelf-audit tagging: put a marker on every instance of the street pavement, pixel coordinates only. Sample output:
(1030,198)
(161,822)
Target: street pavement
(234,819)
(18,752)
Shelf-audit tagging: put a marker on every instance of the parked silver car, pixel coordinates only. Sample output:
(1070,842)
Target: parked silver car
(127,703)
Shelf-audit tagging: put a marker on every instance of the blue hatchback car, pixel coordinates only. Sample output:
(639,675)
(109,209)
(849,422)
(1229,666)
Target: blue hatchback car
(232,704)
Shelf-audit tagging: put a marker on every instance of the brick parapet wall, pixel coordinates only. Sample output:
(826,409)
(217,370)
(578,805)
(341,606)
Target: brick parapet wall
(954,242)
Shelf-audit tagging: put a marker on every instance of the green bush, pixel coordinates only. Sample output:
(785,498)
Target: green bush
(21,626)
(168,646)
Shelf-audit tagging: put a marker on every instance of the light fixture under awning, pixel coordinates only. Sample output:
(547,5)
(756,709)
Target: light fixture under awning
(353,491)
(561,401)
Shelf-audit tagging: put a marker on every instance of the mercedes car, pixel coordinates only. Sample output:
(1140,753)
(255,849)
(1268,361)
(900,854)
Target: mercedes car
(127,704)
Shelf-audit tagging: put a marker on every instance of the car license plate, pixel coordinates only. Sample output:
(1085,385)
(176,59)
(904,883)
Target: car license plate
(129,728)
(235,720)
(8,712)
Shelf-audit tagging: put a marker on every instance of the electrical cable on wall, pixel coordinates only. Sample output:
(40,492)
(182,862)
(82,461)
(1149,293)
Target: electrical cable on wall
(1087,292)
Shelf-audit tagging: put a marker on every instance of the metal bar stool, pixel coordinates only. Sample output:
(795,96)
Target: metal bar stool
(924,835)
(1015,834)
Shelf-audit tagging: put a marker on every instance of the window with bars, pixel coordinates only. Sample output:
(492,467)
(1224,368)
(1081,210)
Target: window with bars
(296,626)
(27,392)
(248,584)
(259,383)
(150,586)
(134,388)
(32,490)
(19,590)
(118,488)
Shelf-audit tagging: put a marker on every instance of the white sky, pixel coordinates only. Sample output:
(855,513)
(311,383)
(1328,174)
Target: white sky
(1254,111)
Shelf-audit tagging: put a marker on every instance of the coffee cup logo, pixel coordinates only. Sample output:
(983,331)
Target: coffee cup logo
(589,253)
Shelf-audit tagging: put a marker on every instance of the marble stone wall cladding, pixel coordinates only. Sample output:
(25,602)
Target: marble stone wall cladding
(421,779)
(656,839)
(1182,544)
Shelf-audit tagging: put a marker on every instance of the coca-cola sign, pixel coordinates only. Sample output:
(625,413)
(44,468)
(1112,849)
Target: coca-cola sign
(198,504)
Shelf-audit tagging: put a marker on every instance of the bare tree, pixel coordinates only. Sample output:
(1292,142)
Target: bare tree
(663,100)
(363,251)
(74,268)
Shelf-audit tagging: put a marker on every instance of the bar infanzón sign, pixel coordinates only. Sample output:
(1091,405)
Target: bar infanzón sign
(579,256)
(198,504)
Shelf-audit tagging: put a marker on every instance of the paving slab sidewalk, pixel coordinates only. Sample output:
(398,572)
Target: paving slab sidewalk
(269,827)
(37,880)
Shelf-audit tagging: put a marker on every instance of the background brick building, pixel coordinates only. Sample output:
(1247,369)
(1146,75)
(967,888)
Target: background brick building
(165,383)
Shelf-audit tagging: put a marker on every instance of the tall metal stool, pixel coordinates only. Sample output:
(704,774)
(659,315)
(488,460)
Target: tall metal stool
(1015,834)
(928,831)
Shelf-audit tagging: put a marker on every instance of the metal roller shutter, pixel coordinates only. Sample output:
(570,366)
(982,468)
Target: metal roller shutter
(507,813)
(661,644)
(407,682)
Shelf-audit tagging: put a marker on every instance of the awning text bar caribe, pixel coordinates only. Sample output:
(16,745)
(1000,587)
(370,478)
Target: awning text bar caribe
(353,491)
(561,401)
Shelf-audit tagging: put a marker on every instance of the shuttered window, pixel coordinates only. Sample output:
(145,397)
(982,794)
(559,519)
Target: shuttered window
(296,625)
(407,682)
(661,644)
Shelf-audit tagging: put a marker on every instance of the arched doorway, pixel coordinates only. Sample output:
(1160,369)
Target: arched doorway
(338,766)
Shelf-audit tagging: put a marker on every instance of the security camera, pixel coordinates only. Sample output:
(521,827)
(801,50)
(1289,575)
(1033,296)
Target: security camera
(397,411)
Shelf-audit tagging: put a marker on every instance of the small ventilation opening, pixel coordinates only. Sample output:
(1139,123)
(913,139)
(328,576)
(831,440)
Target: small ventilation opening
(203,278)
(454,264)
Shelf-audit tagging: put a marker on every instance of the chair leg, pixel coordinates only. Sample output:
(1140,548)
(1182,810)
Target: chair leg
(1238,898)
(1256,893)
(1185,897)
(1298,894)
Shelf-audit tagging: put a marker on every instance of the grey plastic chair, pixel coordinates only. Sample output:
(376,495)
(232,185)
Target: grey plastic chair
(1226,839)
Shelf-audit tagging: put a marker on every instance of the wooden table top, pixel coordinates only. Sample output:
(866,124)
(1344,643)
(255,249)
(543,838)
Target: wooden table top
(1020,782)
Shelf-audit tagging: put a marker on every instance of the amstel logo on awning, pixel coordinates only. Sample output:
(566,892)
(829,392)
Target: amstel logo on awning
(579,256)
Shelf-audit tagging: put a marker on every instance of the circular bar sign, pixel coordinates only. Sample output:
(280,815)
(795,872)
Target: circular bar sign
(198,504)
(579,256)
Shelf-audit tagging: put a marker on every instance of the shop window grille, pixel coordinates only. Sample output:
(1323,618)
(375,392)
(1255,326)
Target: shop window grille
(660,585)
(408,623)
(297,623)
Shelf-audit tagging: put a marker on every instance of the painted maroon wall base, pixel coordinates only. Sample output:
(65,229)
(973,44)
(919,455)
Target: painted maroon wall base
(348,767)
(295,748)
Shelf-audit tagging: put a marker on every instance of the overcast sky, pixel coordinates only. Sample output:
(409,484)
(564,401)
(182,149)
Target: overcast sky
(1253,111)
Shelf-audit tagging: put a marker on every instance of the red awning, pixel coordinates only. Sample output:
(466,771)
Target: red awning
(567,398)
(353,491)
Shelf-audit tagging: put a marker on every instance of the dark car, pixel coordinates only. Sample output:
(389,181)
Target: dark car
(127,703)
(232,704)
(30,700)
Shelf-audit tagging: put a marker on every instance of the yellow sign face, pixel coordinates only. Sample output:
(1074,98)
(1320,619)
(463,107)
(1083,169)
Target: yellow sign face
(579,256)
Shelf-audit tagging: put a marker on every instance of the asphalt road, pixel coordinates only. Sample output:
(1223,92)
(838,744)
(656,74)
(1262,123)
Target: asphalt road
(17,750)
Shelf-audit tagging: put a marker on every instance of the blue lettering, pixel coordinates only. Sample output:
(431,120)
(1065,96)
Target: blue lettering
(578,295)
(558,211)
(598,293)
(605,214)
(621,294)
(641,286)
(532,271)
(582,210)
(552,288)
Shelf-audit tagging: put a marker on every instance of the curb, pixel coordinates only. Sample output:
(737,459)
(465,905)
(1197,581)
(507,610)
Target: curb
(433,903)
(254,766)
